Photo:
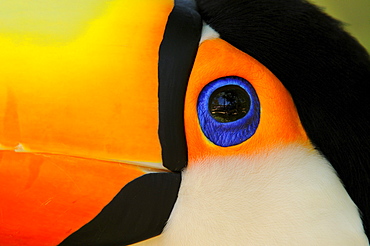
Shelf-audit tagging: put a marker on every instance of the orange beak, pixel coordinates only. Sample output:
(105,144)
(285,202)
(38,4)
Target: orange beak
(78,103)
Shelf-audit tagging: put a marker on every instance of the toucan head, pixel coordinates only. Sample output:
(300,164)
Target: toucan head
(182,123)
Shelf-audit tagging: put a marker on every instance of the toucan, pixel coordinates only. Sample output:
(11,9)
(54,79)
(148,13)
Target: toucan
(180,122)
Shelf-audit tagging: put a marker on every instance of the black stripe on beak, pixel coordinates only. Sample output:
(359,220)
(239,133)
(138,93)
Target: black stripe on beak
(138,212)
(176,57)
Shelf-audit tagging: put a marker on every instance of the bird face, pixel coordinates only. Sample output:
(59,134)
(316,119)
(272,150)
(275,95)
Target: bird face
(257,178)
(125,121)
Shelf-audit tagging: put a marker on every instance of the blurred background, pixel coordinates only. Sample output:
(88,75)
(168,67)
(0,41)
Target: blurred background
(354,13)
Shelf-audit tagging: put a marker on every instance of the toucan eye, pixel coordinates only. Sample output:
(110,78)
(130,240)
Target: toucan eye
(228,111)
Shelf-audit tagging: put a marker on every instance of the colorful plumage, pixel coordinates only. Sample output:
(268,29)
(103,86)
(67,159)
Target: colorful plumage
(205,122)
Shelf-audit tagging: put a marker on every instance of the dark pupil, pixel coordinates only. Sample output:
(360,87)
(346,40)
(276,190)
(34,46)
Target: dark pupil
(229,103)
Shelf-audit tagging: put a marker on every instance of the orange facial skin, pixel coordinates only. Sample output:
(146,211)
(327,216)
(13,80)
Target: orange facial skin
(279,122)
(78,99)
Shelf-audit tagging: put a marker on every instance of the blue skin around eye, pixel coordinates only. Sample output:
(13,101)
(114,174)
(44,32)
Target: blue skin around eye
(230,133)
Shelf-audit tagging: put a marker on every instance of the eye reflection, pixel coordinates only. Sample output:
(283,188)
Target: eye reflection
(229,103)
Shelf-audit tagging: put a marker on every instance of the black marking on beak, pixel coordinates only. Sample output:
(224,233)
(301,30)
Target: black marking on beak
(176,57)
(138,212)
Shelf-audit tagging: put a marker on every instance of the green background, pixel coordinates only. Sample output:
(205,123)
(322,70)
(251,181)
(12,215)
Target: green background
(354,13)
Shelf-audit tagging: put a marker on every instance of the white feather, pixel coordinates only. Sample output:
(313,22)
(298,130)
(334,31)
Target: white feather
(290,196)
(208,33)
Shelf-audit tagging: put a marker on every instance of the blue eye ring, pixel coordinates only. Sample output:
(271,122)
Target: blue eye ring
(226,134)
